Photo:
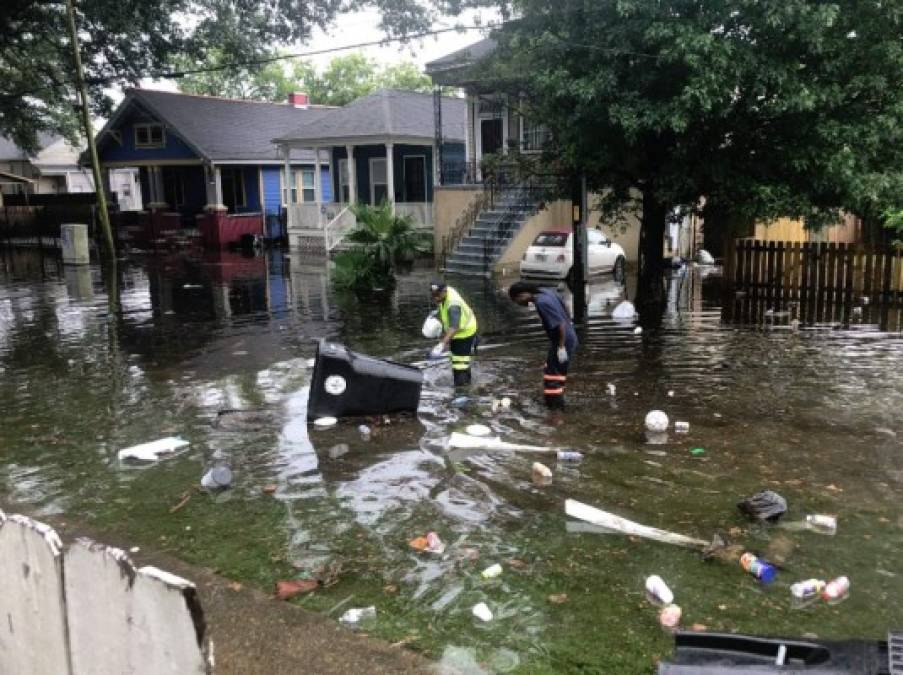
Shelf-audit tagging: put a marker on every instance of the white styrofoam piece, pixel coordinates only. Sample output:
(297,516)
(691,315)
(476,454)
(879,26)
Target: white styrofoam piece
(152,451)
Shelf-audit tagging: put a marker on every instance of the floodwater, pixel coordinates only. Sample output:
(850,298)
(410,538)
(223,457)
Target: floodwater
(812,413)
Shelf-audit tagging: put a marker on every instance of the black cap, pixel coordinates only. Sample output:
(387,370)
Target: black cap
(437,286)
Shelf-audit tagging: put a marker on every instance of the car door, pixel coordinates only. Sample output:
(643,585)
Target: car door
(607,254)
(595,252)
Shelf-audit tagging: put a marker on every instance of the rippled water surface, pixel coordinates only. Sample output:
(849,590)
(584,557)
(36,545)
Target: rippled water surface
(813,413)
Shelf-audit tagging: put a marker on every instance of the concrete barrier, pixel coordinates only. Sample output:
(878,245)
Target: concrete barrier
(33,623)
(86,610)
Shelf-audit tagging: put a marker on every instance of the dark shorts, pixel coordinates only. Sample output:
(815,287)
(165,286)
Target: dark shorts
(461,351)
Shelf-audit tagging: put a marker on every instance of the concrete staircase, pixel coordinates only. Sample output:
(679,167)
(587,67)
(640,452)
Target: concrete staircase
(484,243)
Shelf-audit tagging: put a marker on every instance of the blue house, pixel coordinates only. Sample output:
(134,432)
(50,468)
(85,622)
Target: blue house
(211,162)
(382,147)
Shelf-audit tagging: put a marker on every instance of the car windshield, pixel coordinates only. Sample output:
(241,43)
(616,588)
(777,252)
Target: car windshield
(551,239)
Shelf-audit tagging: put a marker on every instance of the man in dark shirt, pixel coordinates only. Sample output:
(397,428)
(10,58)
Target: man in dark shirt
(562,337)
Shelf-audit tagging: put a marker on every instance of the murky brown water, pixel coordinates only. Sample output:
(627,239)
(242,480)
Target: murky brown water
(813,414)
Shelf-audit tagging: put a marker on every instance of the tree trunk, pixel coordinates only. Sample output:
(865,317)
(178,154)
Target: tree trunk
(650,295)
(652,234)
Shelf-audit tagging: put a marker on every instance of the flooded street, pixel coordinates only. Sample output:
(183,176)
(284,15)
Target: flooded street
(814,414)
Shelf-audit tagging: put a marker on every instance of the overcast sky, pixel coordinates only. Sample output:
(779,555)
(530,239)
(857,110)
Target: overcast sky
(359,27)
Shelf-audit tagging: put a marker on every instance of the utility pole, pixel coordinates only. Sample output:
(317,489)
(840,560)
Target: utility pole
(103,214)
(578,269)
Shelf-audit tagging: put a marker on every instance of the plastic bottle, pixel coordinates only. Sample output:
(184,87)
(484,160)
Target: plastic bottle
(482,611)
(612,390)
(434,544)
(658,589)
(822,523)
(836,589)
(358,614)
(803,590)
(682,427)
(364,431)
(569,456)
(760,569)
(492,571)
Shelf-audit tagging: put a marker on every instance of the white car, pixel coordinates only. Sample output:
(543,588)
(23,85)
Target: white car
(551,255)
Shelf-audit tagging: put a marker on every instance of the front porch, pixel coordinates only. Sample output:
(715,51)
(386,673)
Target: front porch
(214,205)
(398,173)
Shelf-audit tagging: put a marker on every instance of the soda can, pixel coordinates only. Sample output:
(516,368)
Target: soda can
(682,427)
(760,569)
(658,589)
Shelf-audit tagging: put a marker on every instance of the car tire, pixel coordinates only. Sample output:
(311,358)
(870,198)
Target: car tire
(619,269)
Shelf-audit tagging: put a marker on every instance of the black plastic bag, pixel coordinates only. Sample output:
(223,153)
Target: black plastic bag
(766,505)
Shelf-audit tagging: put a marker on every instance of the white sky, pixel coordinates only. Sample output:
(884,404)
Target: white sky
(358,27)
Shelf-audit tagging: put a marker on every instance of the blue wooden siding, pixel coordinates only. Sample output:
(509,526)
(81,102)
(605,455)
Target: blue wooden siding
(271,189)
(111,151)
(325,184)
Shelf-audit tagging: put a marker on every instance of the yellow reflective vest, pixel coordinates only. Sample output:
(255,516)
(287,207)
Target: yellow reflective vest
(468,326)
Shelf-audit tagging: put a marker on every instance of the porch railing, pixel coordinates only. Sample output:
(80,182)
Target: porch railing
(421,213)
(338,227)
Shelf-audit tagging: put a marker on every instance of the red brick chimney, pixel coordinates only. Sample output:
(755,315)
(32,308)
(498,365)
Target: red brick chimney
(298,99)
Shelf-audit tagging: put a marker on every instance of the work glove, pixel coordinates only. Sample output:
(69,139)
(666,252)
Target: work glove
(562,355)
(437,351)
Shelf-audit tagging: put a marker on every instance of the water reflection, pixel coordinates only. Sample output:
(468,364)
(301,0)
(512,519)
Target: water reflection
(812,412)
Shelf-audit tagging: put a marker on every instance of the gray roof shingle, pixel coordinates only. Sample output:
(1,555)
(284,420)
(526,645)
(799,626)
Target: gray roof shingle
(463,57)
(227,129)
(387,113)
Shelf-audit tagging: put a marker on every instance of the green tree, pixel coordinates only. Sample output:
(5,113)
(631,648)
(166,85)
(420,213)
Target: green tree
(343,80)
(762,107)
(124,41)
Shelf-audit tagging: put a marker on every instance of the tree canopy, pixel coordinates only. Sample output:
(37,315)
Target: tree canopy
(124,41)
(343,80)
(762,107)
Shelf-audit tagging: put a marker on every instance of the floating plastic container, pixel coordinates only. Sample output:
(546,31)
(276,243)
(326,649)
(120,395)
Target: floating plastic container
(569,456)
(804,590)
(658,589)
(492,571)
(682,427)
(822,523)
(760,569)
(346,383)
(358,614)
(669,617)
(217,478)
(836,589)
(482,612)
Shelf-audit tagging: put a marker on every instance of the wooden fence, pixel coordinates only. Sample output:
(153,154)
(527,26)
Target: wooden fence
(41,224)
(816,282)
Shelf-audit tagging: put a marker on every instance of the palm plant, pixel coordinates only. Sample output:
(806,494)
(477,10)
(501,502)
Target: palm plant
(386,236)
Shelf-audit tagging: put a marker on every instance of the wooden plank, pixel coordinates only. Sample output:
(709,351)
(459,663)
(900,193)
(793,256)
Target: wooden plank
(887,294)
(779,285)
(867,274)
(830,279)
(769,274)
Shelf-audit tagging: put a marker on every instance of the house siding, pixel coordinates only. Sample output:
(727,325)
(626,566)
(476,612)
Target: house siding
(272,196)
(111,151)
(364,153)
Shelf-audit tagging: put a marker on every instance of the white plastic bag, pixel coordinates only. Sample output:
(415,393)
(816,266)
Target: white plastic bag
(432,328)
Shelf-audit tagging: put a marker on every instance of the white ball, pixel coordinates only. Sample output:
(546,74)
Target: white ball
(656,421)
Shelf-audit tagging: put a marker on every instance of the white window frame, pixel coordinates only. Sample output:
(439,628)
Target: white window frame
(150,144)
(343,179)
(404,177)
(300,174)
(538,128)
(373,182)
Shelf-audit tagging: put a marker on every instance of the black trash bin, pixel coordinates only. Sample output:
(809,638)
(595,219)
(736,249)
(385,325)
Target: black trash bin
(702,653)
(346,383)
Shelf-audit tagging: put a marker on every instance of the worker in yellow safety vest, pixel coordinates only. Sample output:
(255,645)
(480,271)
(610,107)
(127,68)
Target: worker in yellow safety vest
(459,331)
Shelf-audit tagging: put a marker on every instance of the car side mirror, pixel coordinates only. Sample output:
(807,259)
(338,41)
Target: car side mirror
(608,243)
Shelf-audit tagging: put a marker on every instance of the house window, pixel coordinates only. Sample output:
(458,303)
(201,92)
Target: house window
(149,136)
(233,185)
(343,181)
(379,190)
(534,135)
(304,181)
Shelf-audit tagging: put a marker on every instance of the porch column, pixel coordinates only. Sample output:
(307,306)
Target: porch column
(318,193)
(161,192)
(286,176)
(212,188)
(390,174)
(352,178)
(218,185)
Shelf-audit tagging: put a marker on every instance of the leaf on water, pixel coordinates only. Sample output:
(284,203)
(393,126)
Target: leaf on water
(517,564)
(391,588)
(235,586)
(419,544)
